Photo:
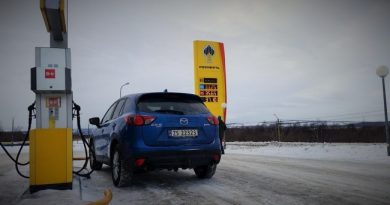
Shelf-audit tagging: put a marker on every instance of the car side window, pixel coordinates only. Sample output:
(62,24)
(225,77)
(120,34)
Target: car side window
(108,114)
(118,109)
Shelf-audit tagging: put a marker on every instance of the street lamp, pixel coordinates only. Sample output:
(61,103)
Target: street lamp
(382,72)
(120,91)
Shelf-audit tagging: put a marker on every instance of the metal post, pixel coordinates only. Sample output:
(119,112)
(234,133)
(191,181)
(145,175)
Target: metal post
(12,135)
(386,120)
(277,127)
(279,130)
(120,91)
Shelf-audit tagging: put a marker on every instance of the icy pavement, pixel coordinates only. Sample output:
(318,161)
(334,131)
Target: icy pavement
(250,173)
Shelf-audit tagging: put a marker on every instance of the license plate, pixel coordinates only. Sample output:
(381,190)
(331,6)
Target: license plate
(183,133)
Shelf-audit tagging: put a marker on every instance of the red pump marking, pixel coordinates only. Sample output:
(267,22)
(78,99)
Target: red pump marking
(50,73)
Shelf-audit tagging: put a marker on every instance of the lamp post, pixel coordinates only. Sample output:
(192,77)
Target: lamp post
(382,72)
(120,91)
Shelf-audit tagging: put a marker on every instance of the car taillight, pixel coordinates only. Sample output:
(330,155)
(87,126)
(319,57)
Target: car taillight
(216,157)
(212,120)
(139,162)
(148,119)
(139,120)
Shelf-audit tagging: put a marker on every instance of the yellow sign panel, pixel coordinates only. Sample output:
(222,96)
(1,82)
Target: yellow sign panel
(210,77)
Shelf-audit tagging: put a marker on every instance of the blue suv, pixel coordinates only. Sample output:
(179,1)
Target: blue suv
(149,131)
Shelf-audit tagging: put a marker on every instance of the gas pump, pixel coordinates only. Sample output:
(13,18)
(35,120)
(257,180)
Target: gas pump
(51,148)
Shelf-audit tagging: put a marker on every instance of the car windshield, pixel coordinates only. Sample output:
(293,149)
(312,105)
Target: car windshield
(171,103)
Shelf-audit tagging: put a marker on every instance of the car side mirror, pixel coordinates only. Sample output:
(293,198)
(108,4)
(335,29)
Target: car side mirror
(95,121)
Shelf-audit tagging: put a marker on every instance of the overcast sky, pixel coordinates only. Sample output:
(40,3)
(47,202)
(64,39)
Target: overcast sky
(298,59)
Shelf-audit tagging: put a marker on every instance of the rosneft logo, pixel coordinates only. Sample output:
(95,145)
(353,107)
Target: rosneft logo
(208,52)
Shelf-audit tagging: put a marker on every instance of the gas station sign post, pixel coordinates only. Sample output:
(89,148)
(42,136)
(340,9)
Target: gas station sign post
(210,76)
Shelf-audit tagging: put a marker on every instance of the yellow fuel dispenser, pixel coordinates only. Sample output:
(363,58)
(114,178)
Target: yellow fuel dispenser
(51,142)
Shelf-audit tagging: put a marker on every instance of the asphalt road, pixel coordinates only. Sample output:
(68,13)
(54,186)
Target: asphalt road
(240,179)
(243,179)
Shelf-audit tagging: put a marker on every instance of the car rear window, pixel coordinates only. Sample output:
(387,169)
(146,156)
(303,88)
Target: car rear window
(171,103)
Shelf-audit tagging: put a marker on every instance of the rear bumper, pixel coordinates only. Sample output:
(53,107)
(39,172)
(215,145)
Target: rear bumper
(180,159)
(190,158)
(171,157)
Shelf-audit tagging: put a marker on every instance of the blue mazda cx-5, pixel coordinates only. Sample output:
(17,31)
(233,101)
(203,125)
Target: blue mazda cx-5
(148,131)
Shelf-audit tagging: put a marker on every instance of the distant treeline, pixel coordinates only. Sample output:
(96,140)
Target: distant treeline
(307,133)
(12,136)
(285,132)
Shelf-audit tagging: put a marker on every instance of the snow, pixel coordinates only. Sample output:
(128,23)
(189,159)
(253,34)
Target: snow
(250,172)
(368,152)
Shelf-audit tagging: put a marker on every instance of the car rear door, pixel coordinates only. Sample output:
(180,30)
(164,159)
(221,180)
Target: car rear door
(179,119)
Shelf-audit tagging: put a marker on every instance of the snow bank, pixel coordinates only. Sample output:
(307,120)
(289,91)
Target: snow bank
(370,152)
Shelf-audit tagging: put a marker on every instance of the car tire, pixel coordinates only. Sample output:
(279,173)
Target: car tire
(205,172)
(95,165)
(121,169)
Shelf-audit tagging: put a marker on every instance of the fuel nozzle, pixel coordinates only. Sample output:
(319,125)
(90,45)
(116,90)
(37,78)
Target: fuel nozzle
(76,107)
(31,107)
(31,111)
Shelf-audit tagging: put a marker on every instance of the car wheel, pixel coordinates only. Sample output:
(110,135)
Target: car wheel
(121,169)
(95,165)
(205,172)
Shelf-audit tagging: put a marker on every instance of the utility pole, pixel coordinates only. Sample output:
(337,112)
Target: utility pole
(12,131)
(277,127)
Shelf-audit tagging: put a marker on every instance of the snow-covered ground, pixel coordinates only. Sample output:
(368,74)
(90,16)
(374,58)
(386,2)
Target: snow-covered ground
(249,173)
(373,152)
